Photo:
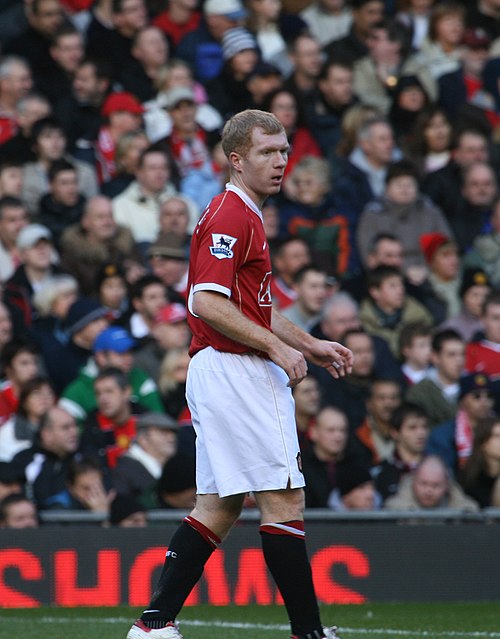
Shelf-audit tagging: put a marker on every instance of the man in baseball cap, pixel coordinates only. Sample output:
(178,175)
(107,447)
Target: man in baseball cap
(138,471)
(30,235)
(171,328)
(35,250)
(177,95)
(169,262)
(112,349)
(85,319)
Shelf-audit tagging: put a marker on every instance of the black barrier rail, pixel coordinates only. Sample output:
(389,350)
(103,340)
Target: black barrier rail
(159,516)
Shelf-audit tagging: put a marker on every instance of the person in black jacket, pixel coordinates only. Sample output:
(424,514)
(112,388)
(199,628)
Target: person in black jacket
(64,204)
(45,465)
(228,91)
(34,244)
(326,455)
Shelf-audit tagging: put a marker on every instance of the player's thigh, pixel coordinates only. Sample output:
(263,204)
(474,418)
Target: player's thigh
(280,505)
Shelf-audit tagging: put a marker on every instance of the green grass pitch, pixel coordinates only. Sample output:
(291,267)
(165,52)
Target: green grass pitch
(368,621)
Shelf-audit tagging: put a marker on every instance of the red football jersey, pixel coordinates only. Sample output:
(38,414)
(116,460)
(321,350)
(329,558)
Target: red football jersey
(230,255)
(483,357)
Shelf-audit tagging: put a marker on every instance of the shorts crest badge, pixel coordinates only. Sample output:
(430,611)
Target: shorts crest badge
(222,246)
(299,463)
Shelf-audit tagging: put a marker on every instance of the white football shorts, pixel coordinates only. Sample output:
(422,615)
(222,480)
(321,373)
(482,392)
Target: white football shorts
(244,416)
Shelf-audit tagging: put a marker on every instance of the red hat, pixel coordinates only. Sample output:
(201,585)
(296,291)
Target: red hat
(431,242)
(121,101)
(171,314)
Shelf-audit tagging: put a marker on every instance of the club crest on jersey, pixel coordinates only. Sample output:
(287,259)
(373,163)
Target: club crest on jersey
(222,245)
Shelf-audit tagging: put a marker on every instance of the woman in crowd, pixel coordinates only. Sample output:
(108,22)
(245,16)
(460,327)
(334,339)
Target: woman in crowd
(18,432)
(441,51)
(481,475)
(430,142)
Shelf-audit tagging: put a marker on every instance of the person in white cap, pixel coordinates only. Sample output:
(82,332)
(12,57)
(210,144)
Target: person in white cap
(34,244)
(188,144)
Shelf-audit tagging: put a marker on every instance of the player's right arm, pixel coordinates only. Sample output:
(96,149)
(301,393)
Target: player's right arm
(218,311)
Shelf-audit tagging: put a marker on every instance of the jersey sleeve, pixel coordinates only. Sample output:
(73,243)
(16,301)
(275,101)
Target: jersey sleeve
(221,250)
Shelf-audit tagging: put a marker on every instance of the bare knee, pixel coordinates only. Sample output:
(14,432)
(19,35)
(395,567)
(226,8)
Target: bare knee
(218,514)
(281,505)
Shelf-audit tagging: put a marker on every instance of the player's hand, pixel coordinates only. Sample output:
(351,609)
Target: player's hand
(337,359)
(290,360)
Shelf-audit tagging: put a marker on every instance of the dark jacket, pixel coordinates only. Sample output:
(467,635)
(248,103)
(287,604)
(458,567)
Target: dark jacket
(321,477)
(202,52)
(57,216)
(135,80)
(348,49)
(444,188)
(228,95)
(46,475)
(352,193)
(325,122)
(442,443)
(81,123)
(17,295)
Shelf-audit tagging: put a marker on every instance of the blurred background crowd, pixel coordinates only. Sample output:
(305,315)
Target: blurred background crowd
(386,237)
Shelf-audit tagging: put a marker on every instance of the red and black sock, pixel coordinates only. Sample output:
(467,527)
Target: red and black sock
(189,550)
(284,544)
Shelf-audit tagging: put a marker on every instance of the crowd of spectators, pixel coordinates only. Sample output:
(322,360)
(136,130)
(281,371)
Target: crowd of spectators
(386,237)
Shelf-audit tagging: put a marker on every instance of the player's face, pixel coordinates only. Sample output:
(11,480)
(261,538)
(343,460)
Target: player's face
(260,172)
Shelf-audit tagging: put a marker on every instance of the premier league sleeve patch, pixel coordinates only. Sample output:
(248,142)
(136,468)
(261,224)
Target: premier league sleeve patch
(222,246)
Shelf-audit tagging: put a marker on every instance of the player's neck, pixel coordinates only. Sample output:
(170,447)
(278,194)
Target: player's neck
(256,198)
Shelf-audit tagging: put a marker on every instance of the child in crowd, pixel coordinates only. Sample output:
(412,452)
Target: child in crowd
(388,308)
(439,291)
(415,352)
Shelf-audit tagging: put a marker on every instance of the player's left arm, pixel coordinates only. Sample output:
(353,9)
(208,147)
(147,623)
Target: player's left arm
(337,359)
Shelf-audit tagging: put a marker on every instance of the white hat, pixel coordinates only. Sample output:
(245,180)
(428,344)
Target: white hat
(232,9)
(235,41)
(31,234)
(178,94)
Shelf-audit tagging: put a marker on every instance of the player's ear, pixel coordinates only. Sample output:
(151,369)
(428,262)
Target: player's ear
(235,160)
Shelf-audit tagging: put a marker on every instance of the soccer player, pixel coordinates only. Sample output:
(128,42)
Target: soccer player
(245,359)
